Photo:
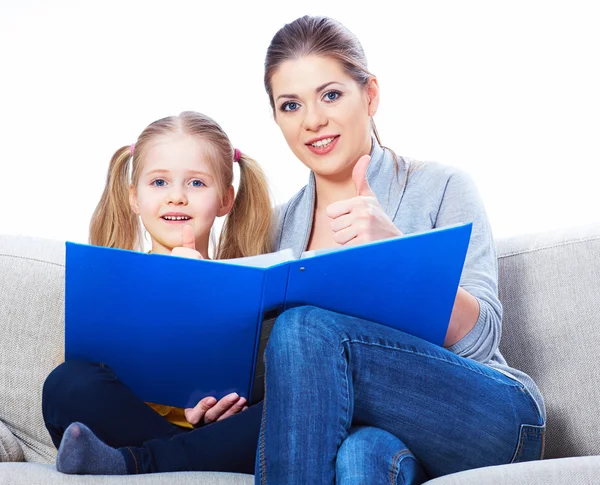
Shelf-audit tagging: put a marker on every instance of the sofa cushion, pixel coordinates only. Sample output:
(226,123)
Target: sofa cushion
(10,449)
(549,285)
(28,473)
(32,335)
(575,471)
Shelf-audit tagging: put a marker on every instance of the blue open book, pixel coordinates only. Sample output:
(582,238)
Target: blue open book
(176,330)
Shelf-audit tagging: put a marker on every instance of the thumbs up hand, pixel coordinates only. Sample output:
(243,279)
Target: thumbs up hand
(360,219)
(188,245)
(359,177)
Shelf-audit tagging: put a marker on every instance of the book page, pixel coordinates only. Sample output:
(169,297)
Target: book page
(263,260)
(318,252)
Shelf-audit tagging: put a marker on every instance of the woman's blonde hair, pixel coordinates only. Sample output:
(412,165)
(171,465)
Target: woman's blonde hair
(246,230)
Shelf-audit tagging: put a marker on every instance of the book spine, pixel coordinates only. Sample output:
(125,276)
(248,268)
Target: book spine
(268,321)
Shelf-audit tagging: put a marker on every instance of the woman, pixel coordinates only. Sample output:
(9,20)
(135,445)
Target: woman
(346,400)
(350,401)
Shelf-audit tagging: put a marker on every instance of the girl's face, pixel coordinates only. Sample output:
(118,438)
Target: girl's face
(324,114)
(176,188)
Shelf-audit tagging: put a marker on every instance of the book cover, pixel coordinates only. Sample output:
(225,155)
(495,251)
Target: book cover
(176,330)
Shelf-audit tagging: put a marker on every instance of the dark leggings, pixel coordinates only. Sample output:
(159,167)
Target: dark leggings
(93,395)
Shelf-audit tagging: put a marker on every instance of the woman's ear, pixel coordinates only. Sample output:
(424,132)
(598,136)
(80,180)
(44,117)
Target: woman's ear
(373,95)
(133,202)
(228,199)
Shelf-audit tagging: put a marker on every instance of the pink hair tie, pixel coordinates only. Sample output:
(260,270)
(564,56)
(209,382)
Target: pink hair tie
(237,155)
(131,149)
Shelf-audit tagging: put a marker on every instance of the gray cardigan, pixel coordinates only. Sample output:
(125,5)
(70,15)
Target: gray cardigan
(419,196)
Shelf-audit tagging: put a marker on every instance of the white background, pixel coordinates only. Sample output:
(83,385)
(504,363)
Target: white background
(508,91)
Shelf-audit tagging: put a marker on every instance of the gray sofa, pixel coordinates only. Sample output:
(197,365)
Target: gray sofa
(550,289)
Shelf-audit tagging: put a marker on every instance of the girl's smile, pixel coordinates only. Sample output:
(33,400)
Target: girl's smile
(176,218)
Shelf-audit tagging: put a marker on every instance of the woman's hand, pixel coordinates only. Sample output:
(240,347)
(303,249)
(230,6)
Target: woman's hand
(188,246)
(360,219)
(208,410)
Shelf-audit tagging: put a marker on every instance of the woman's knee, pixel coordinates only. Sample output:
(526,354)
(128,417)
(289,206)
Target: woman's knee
(369,443)
(370,452)
(301,325)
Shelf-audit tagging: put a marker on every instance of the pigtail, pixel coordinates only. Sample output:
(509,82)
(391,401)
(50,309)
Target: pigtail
(113,223)
(247,229)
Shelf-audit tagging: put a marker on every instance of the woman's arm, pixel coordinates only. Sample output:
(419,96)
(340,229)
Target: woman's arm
(464,317)
(476,320)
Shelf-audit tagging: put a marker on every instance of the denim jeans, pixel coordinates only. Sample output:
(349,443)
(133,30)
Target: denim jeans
(93,395)
(349,401)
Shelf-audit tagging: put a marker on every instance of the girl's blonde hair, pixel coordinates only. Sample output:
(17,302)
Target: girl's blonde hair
(246,231)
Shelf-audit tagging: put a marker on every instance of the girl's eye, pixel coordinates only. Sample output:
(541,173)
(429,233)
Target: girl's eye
(159,182)
(197,183)
(332,95)
(289,106)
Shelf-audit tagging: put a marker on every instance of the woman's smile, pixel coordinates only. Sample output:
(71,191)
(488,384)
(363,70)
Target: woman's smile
(323,145)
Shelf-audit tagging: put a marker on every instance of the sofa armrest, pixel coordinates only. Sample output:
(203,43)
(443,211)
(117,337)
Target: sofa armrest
(31,336)
(582,470)
(10,448)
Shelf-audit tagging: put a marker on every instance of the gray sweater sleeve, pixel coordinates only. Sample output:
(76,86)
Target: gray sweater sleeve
(461,203)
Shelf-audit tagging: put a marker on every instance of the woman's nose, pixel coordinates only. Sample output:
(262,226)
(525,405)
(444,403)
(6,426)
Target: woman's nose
(314,119)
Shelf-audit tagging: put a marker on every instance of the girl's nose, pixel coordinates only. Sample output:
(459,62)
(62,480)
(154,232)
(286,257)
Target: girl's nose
(176,196)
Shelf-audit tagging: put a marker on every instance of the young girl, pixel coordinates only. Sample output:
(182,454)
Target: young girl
(181,181)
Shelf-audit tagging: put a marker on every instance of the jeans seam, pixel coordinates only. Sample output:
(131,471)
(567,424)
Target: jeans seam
(524,432)
(261,451)
(348,417)
(436,357)
(134,460)
(543,444)
(532,402)
(395,469)
(519,449)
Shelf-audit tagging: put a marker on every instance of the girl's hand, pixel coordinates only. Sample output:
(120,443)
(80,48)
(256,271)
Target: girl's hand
(208,410)
(188,246)
(360,219)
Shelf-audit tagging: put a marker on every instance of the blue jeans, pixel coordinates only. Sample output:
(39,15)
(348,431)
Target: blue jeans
(349,401)
(92,394)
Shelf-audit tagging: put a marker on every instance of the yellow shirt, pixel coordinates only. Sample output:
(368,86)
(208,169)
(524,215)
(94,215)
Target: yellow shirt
(172,414)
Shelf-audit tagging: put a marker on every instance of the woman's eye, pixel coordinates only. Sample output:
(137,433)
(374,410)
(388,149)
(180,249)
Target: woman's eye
(197,183)
(289,106)
(159,182)
(332,95)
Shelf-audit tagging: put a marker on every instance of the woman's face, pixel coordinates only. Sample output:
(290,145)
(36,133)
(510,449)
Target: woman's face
(324,114)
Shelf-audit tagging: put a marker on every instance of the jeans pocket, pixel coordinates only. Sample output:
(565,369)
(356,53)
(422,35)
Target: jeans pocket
(531,443)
